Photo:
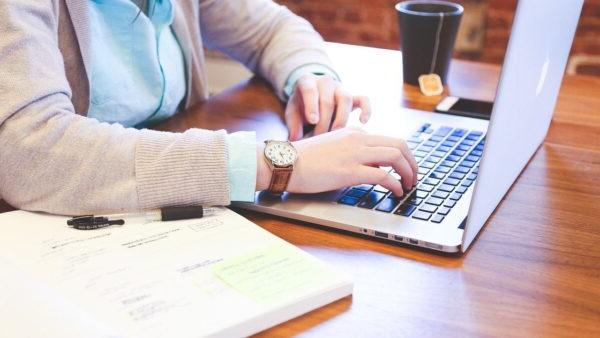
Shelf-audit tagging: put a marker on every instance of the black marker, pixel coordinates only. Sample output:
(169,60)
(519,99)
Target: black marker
(90,222)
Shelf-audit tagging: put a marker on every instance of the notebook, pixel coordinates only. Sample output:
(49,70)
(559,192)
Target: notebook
(221,275)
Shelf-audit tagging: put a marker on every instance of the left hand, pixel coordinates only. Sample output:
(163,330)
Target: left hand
(323,102)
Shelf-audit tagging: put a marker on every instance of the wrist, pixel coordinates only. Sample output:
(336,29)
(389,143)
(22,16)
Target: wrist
(263,172)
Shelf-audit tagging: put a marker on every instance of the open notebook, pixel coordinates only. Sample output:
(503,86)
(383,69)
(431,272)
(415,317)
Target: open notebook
(221,275)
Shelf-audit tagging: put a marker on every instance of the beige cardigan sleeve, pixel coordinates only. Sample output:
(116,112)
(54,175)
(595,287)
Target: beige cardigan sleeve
(55,161)
(266,37)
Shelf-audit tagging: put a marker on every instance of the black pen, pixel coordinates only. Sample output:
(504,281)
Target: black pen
(90,222)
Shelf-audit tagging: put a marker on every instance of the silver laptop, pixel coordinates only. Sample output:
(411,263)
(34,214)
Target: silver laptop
(466,165)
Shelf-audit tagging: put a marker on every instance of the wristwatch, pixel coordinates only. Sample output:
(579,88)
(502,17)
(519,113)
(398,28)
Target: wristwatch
(280,156)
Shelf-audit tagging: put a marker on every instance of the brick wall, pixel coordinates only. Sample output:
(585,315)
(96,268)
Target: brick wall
(374,23)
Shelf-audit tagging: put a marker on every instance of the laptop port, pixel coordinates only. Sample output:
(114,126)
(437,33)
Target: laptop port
(398,238)
(381,234)
(413,241)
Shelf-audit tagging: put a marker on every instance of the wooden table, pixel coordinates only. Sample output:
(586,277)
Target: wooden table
(533,271)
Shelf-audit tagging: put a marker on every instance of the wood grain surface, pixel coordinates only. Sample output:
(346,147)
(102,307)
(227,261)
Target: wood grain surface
(533,271)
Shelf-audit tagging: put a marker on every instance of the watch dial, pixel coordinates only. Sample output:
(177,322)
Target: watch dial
(281,153)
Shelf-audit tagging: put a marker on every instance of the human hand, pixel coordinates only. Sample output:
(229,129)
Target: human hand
(346,157)
(323,102)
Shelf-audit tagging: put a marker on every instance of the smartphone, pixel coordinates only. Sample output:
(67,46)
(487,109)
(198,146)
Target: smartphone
(465,107)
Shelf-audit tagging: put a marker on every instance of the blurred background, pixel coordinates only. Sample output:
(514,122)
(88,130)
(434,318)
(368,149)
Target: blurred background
(483,35)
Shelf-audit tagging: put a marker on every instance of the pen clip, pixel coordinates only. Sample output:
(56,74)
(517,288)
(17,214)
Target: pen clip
(90,222)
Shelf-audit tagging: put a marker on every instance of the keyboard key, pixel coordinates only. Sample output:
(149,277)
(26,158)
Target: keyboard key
(416,140)
(476,133)
(453,138)
(446,187)
(443,131)
(428,207)
(437,218)
(395,175)
(439,153)
(434,159)
(472,137)
(406,209)
(476,152)
(421,194)
(452,181)
(455,196)
(467,183)
(479,147)
(448,144)
(476,170)
(472,158)
(459,132)
(380,189)
(411,145)
(466,163)
(348,200)
(425,149)
(428,131)
(365,187)
(371,199)
(418,158)
(413,199)
(435,201)
(450,203)
(423,170)
(420,177)
(463,147)
(420,153)
(457,175)
(440,194)
(443,169)
(467,142)
(424,127)
(432,181)
(427,165)
(462,189)
(461,169)
(453,158)
(388,204)
(443,211)
(425,187)
(460,153)
(444,148)
(430,143)
(472,176)
(436,138)
(450,164)
(437,175)
(424,215)
(356,193)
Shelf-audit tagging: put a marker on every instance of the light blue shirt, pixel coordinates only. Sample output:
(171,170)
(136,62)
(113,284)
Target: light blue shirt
(138,78)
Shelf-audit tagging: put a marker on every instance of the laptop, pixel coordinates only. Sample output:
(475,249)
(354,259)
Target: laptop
(466,165)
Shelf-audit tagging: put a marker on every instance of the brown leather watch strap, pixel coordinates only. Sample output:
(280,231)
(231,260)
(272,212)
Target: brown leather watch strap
(279,179)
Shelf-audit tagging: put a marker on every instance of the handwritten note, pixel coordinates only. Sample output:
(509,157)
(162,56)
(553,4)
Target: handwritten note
(271,274)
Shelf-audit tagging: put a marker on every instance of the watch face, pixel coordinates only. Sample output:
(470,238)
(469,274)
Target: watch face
(282,154)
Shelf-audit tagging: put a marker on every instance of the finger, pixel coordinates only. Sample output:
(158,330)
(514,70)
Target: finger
(326,104)
(390,156)
(309,93)
(364,104)
(343,101)
(380,140)
(371,175)
(293,118)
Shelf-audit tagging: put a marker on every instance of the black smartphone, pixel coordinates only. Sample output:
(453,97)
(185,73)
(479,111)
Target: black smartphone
(465,107)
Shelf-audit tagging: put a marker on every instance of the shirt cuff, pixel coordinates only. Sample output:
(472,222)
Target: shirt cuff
(311,68)
(241,166)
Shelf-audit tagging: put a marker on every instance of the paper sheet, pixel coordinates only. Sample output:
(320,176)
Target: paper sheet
(184,278)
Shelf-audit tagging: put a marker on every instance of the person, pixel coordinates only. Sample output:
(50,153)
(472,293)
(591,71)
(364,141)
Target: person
(82,79)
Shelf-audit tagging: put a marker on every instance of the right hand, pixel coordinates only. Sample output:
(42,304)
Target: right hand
(347,157)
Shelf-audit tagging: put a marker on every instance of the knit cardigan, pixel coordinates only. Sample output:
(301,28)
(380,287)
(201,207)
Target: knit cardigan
(54,159)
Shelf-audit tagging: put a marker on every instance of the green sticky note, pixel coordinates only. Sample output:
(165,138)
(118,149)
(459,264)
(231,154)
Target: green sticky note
(272,274)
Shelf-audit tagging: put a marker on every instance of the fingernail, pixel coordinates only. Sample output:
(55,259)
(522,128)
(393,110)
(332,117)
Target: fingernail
(314,118)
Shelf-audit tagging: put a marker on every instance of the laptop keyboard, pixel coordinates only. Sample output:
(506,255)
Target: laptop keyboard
(448,161)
